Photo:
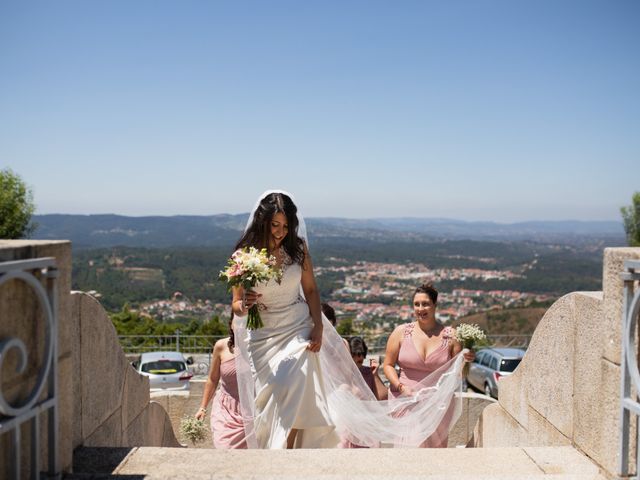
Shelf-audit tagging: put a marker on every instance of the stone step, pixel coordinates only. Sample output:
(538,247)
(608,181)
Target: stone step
(557,463)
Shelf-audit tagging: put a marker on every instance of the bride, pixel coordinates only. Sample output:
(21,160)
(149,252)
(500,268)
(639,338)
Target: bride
(290,401)
(298,385)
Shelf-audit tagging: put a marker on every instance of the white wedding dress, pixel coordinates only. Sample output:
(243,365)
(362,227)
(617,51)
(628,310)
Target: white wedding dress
(289,389)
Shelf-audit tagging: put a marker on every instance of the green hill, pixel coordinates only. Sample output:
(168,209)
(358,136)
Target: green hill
(509,321)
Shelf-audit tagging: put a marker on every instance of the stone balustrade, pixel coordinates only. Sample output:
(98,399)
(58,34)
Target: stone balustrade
(102,400)
(566,391)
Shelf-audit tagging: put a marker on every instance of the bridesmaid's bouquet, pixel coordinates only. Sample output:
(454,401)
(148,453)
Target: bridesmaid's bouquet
(246,268)
(469,335)
(193,429)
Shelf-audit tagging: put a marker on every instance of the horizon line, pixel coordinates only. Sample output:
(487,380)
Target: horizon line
(566,220)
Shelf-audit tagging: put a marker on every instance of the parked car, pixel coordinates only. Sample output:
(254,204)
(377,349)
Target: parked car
(490,365)
(166,370)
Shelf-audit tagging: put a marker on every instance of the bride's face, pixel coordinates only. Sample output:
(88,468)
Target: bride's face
(279,229)
(423,306)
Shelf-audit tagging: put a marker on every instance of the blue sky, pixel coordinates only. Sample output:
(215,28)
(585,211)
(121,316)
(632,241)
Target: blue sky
(478,110)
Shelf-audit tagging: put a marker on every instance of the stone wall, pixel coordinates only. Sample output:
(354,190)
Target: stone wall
(566,391)
(112,399)
(102,400)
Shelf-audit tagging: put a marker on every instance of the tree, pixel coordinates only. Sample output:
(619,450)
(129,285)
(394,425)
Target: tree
(345,327)
(16,206)
(214,327)
(631,220)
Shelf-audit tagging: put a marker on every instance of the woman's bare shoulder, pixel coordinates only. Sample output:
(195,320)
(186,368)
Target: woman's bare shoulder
(400,330)
(221,346)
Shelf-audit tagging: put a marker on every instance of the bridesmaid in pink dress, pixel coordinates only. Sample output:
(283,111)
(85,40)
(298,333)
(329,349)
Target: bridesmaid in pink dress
(227,428)
(419,349)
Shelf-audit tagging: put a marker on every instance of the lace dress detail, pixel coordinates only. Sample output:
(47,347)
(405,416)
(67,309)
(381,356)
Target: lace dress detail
(408,329)
(280,298)
(448,334)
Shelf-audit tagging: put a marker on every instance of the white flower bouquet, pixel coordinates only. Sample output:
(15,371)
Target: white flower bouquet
(248,267)
(469,335)
(193,429)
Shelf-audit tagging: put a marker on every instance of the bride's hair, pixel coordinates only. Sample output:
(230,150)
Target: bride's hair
(259,232)
(428,289)
(231,343)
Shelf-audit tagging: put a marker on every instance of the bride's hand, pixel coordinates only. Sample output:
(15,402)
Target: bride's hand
(249,299)
(315,342)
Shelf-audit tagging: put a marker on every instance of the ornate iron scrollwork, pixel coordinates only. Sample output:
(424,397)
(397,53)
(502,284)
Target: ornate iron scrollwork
(29,410)
(629,364)
(7,344)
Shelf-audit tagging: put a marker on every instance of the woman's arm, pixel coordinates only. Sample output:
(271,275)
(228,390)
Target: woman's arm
(212,379)
(382,392)
(391,358)
(310,289)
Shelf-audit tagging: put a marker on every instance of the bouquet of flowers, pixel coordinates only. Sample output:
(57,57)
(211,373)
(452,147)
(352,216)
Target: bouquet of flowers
(246,268)
(468,336)
(193,429)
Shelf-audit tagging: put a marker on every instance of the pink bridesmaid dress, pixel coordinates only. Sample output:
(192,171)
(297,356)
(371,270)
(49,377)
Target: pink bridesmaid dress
(227,427)
(413,368)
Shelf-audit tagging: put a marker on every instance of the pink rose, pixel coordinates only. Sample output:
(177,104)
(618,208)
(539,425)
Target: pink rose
(236,271)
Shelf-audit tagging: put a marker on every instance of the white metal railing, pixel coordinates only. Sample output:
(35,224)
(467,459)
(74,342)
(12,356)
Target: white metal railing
(187,344)
(629,362)
(194,344)
(40,275)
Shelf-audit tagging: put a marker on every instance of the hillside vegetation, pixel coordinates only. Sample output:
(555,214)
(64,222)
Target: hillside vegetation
(509,321)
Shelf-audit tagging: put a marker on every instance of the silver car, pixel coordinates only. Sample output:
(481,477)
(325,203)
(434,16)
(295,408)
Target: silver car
(490,365)
(166,370)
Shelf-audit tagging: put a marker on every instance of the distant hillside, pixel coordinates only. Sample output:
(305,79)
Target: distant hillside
(89,231)
(509,321)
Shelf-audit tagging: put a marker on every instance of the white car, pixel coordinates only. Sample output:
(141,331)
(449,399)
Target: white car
(166,370)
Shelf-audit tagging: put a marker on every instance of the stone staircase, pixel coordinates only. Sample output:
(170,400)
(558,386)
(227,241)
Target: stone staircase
(558,415)
(514,463)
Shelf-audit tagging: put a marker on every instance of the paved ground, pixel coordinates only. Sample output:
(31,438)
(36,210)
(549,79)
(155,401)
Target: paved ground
(535,463)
